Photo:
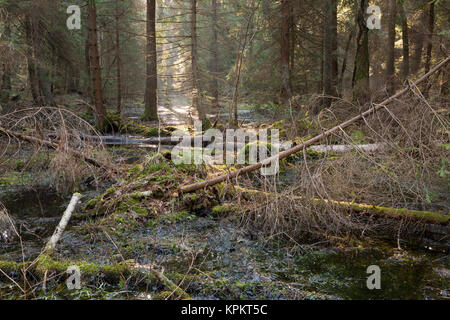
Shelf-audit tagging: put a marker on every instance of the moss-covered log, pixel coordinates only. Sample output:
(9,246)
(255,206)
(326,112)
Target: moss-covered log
(113,274)
(425,216)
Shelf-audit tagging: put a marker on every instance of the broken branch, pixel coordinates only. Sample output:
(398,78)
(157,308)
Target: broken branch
(300,147)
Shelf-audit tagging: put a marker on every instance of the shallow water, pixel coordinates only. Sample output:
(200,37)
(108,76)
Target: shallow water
(222,261)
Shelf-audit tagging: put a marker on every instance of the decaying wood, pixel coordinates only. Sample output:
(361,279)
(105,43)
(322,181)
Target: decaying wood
(55,146)
(109,273)
(424,216)
(348,147)
(166,281)
(302,146)
(63,223)
(45,260)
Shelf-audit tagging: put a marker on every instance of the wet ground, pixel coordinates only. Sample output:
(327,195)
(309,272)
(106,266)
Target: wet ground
(218,259)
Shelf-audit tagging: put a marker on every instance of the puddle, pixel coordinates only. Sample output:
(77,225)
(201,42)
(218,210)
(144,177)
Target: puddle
(33,203)
(218,259)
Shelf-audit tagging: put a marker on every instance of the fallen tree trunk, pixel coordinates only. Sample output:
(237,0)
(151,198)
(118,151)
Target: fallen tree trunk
(348,147)
(428,216)
(55,146)
(45,262)
(51,244)
(304,145)
(112,274)
(152,140)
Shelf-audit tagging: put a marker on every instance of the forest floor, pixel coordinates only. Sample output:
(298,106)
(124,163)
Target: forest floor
(200,241)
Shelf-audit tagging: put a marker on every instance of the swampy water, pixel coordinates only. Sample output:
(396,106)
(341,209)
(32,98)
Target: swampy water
(218,259)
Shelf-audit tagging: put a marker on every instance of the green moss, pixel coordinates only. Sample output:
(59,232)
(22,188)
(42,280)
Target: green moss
(91,204)
(20,164)
(192,197)
(141,129)
(242,285)
(113,123)
(164,295)
(10,266)
(157,167)
(46,263)
(359,137)
(223,210)
(109,192)
(137,169)
(15,178)
(177,217)
(151,132)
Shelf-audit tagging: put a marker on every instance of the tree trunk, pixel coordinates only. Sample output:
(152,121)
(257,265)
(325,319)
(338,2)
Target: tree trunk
(445,84)
(431,19)
(361,81)
(42,72)
(344,63)
(390,65)
(196,99)
(405,37)
(237,68)
(292,40)
(286,91)
(214,56)
(88,84)
(31,61)
(95,67)
(237,74)
(6,77)
(119,79)
(330,64)
(418,40)
(151,89)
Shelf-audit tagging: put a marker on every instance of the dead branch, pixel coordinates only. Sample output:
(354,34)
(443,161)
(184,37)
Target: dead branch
(55,146)
(300,147)
(428,216)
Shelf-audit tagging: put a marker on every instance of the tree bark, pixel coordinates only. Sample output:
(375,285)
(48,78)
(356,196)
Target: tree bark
(31,61)
(418,40)
(238,66)
(330,64)
(95,67)
(344,63)
(119,79)
(214,56)
(361,81)
(390,65)
(6,77)
(42,72)
(405,37)
(51,244)
(286,90)
(88,84)
(196,96)
(430,30)
(151,89)
(431,21)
